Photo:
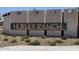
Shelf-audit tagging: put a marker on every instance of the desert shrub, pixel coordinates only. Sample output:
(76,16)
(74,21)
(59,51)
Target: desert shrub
(13,36)
(36,42)
(6,39)
(52,43)
(44,37)
(13,41)
(77,43)
(59,41)
(27,40)
(64,38)
(24,37)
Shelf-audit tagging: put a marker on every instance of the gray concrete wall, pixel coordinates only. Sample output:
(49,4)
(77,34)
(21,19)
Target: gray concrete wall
(71,18)
(6,24)
(49,16)
(14,17)
(36,17)
(54,16)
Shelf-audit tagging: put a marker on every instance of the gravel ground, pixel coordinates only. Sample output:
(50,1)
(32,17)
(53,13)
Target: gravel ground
(43,41)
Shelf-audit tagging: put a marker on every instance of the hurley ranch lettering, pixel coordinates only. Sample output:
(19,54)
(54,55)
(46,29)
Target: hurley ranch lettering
(38,26)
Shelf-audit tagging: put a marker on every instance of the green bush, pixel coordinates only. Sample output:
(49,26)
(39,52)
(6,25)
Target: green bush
(36,42)
(13,41)
(77,43)
(27,40)
(24,37)
(52,43)
(59,41)
(5,39)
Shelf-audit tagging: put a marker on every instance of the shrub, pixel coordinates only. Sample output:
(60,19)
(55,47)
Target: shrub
(64,38)
(27,40)
(14,36)
(13,41)
(52,43)
(35,43)
(24,37)
(59,41)
(44,37)
(77,43)
(5,39)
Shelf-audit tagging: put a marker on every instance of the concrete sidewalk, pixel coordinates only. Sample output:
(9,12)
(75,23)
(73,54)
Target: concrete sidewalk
(40,48)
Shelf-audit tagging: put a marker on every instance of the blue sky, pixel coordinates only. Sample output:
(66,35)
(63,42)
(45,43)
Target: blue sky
(8,9)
